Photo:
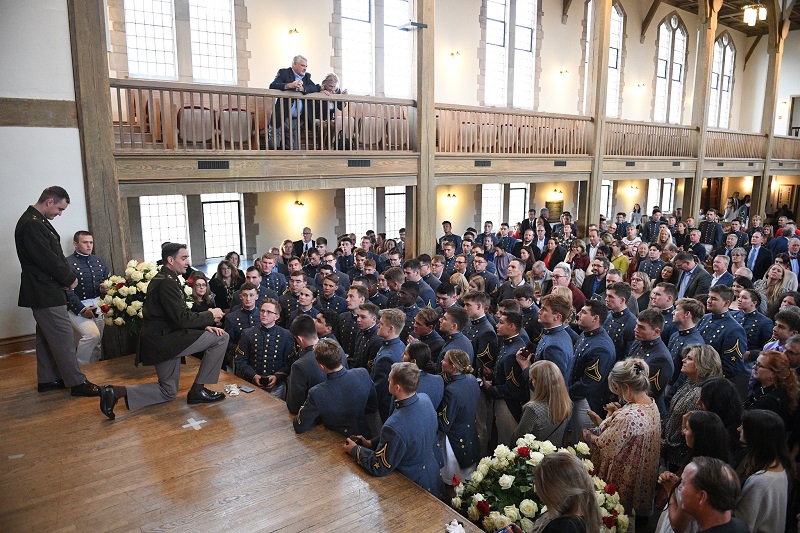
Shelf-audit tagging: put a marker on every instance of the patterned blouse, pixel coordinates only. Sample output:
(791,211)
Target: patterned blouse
(626,453)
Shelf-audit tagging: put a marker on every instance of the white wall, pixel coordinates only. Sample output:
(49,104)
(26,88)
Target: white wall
(460,211)
(789,84)
(36,63)
(278,218)
(561,50)
(457,30)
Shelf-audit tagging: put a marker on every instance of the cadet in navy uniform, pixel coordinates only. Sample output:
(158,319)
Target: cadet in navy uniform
(524,296)
(389,328)
(263,353)
(595,356)
(408,294)
(241,318)
(411,270)
(408,440)
(270,279)
(711,232)
(663,297)
(375,297)
(289,300)
(451,325)
(306,303)
(649,347)
(367,341)
(305,372)
(757,327)
(425,331)
(556,344)
(430,383)
(84,299)
(449,251)
(685,316)
(425,262)
(445,297)
(492,282)
(348,329)
(253,275)
(343,401)
(457,416)
(620,323)
(329,299)
(720,330)
(45,276)
(653,264)
(507,385)
(479,331)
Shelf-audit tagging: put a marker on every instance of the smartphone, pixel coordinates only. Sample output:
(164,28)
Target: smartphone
(245,388)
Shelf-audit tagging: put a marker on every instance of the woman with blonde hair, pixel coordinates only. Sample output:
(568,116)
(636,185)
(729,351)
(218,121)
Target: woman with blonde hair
(776,388)
(567,293)
(566,488)
(460,282)
(477,283)
(664,237)
(625,446)
(547,414)
(774,283)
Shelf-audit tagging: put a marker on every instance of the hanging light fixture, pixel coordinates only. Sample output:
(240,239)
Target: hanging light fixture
(754,13)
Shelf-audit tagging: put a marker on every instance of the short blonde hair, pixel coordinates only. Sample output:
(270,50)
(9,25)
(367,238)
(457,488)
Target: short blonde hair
(632,372)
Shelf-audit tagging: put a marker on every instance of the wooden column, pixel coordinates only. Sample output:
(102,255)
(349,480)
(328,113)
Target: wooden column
(601,36)
(707,17)
(107,217)
(778,30)
(425,214)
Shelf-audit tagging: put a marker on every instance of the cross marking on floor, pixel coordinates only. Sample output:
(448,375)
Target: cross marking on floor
(192,423)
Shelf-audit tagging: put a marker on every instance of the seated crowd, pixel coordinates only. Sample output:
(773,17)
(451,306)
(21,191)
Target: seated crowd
(672,350)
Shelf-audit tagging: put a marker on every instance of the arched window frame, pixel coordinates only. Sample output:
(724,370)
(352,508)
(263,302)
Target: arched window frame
(666,70)
(723,67)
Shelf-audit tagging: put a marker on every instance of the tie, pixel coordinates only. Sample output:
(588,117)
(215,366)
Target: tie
(751,261)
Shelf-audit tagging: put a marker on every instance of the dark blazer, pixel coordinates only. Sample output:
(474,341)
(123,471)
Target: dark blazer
(698,283)
(588,283)
(525,225)
(778,245)
(764,260)
(297,247)
(169,327)
(726,279)
(284,76)
(559,254)
(45,271)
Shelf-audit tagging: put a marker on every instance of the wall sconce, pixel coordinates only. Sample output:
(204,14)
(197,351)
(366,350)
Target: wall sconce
(294,32)
(455,55)
(641,87)
(298,203)
(563,73)
(451,195)
(634,188)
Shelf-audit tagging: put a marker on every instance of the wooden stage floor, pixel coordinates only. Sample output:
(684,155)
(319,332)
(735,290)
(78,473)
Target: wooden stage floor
(68,468)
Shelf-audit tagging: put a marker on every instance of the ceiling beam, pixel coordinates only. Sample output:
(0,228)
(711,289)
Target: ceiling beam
(648,18)
(750,52)
(565,10)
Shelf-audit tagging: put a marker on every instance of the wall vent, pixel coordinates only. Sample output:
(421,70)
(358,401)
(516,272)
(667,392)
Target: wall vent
(559,163)
(212,164)
(359,163)
(483,163)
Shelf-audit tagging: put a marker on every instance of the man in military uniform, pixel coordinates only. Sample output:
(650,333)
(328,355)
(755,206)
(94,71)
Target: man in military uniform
(620,324)
(343,401)
(479,331)
(595,356)
(446,297)
(653,264)
(367,341)
(390,352)
(348,329)
(46,276)
(449,253)
(241,318)
(411,270)
(329,299)
(290,299)
(711,232)
(170,331)
(425,264)
(394,277)
(263,353)
(649,346)
(424,331)
(253,275)
(492,282)
(408,441)
(651,228)
(449,236)
(270,278)
(530,314)
(408,295)
(347,260)
(720,330)
(685,315)
(451,325)
(555,344)
(757,327)
(84,299)
(663,297)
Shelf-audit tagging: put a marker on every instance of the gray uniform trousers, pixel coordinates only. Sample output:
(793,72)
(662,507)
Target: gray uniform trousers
(55,350)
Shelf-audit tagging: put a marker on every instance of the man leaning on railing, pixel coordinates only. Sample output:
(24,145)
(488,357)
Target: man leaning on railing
(293,110)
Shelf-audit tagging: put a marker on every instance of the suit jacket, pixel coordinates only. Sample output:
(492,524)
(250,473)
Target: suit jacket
(763,261)
(168,326)
(526,225)
(588,283)
(698,283)
(284,76)
(726,279)
(297,247)
(45,271)
(778,245)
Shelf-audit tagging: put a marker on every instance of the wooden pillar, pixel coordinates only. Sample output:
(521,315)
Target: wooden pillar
(107,217)
(425,215)
(778,30)
(707,17)
(601,36)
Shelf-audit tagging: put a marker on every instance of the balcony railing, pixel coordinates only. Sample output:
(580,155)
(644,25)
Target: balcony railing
(726,144)
(478,130)
(786,148)
(644,139)
(175,116)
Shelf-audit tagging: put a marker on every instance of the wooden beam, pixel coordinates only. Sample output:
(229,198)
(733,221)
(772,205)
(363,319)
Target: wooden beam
(750,52)
(649,18)
(565,10)
(38,113)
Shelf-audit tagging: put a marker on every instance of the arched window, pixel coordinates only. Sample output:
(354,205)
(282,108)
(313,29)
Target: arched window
(614,59)
(670,70)
(719,106)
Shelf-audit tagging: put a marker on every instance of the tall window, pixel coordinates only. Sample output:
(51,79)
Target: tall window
(719,107)
(359,209)
(492,203)
(395,207)
(499,40)
(398,50)
(660,193)
(524,58)
(163,219)
(357,56)
(606,188)
(496,53)
(150,36)
(213,50)
(517,202)
(615,60)
(222,215)
(670,70)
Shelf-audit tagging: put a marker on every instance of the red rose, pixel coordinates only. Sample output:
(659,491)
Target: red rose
(104,308)
(524,451)
(483,507)
(611,489)
(190,282)
(456,480)
(592,472)
(120,285)
(609,521)
(614,513)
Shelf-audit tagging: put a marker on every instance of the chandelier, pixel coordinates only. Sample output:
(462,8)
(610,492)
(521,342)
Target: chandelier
(754,13)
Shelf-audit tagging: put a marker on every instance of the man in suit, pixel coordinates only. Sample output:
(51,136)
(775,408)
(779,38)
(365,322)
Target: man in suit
(540,243)
(693,279)
(758,258)
(721,276)
(529,223)
(527,240)
(46,276)
(170,330)
(596,283)
(780,245)
(730,244)
(695,247)
(290,111)
(306,243)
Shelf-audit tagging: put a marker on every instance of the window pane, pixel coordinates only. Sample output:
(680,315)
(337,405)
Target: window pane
(398,50)
(222,228)
(357,57)
(524,58)
(492,203)
(517,203)
(142,19)
(395,198)
(359,208)
(211,23)
(163,219)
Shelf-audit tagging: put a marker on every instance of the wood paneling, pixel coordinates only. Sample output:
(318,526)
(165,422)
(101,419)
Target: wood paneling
(38,113)
(66,467)
(465,165)
(17,344)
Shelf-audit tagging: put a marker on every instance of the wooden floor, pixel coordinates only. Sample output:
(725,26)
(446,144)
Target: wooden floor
(65,467)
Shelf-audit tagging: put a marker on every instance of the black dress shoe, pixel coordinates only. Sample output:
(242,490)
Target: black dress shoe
(87,388)
(204,396)
(51,385)
(107,401)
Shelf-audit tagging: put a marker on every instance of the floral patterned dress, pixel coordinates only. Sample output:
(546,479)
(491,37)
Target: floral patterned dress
(626,453)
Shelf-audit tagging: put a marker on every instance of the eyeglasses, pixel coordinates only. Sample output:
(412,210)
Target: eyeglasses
(461,262)
(758,364)
(265,312)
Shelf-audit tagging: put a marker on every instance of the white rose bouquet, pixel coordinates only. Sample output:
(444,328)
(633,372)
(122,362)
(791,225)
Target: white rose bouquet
(501,489)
